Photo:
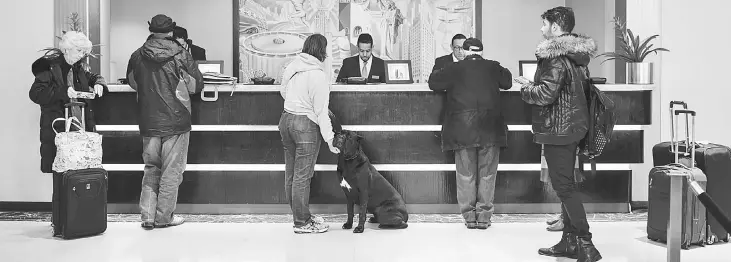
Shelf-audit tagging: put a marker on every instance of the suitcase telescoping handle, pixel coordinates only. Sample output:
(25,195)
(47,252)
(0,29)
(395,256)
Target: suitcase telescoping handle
(690,134)
(690,139)
(673,121)
(80,105)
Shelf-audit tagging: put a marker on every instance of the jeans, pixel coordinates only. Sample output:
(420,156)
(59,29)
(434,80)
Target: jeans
(476,174)
(165,159)
(301,139)
(561,160)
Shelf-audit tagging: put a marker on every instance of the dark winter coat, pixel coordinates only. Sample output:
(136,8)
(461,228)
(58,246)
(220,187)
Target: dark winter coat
(49,90)
(560,115)
(472,113)
(153,71)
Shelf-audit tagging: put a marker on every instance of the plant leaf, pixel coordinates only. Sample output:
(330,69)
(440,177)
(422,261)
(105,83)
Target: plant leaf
(631,43)
(644,47)
(654,51)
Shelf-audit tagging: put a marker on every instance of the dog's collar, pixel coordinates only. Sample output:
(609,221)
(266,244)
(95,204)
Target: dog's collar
(356,155)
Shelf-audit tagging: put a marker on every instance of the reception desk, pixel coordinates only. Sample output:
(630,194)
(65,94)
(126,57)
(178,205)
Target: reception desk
(236,164)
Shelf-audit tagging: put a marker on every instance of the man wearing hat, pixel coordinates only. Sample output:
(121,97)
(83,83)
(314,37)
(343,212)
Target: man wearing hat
(154,71)
(473,128)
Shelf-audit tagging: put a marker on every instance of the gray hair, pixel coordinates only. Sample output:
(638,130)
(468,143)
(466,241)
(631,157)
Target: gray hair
(74,39)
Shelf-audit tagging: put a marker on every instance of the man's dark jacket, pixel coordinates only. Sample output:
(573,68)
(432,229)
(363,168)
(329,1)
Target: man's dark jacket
(351,68)
(442,62)
(153,71)
(49,90)
(473,116)
(199,53)
(558,91)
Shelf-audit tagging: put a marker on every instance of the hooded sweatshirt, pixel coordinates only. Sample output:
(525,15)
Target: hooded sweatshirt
(306,91)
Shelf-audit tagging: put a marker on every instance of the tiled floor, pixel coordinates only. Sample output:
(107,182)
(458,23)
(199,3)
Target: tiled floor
(200,241)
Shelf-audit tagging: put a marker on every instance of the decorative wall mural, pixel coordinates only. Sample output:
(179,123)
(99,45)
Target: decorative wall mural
(271,32)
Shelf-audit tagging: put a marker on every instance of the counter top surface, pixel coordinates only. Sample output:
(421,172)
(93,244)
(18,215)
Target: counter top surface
(417,87)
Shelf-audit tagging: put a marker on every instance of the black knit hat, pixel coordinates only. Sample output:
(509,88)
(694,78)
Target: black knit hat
(472,44)
(161,24)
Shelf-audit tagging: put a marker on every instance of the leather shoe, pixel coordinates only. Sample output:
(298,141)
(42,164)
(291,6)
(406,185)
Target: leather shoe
(565,248)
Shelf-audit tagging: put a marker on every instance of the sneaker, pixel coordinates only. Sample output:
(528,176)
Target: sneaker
(471,225)
(148,225)
(175,222)
(312,227)
(483,225)
(318,219)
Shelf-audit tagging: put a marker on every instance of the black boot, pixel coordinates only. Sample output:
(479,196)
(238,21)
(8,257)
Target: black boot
(565,248)
(586,250)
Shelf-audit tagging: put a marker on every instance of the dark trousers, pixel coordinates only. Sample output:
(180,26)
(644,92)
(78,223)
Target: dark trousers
(301,140)
(561,160)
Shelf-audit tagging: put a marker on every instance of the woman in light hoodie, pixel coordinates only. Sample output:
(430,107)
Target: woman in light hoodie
(306,93)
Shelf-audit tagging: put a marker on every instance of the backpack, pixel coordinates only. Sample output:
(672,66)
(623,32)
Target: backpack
(601,125)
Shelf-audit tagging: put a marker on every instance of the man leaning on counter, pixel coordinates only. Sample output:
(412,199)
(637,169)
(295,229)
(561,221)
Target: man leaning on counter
(364,64)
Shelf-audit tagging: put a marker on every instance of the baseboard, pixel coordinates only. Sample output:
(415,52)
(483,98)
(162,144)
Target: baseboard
(533,208)
(635,205)
(6,206)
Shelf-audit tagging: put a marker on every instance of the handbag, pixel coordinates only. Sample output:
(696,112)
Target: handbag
(185,87)
(76,150)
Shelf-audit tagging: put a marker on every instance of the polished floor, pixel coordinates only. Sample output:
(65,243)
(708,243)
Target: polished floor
(200,241)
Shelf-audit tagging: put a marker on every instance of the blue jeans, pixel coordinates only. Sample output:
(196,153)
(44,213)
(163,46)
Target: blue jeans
(301,139)
(165,159)
(476,175)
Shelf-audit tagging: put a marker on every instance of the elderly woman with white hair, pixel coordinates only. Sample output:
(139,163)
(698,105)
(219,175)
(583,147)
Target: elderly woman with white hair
(59,77)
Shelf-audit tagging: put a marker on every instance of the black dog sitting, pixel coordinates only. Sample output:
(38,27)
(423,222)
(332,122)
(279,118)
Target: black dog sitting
(363,185)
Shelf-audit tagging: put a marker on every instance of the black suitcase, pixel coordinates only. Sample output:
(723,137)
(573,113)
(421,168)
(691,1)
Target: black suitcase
(81,208)
(715,161)
(694,219)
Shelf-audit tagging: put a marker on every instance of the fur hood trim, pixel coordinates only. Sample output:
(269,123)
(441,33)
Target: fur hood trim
(565,45)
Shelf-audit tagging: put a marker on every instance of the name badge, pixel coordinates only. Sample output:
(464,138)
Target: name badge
(376,77)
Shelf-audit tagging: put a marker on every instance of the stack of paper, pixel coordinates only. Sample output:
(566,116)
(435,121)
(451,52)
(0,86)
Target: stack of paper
(218,79)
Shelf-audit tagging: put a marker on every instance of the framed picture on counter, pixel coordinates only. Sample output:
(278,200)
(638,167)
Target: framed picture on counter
(215,66)
(398,72)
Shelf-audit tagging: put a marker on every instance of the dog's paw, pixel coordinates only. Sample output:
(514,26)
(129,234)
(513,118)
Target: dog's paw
(358,229)
(347,225)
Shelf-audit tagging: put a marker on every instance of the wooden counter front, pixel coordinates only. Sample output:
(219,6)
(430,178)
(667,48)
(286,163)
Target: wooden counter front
(236,165)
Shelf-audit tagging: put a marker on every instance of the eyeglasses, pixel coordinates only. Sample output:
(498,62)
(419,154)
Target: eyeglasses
(457,47)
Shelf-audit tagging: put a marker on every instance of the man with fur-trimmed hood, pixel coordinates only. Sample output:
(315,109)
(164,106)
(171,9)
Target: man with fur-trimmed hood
(560,121)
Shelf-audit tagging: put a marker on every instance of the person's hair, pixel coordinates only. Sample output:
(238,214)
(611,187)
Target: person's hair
(73,39)
(562,16)
(180,32)
(316,45)
(365,39)
(457,37)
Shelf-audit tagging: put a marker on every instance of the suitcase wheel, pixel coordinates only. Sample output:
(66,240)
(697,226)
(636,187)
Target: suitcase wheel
(712,239)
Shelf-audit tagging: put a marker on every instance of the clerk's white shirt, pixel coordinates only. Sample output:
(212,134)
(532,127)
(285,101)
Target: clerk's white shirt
(454,58)
(367,64)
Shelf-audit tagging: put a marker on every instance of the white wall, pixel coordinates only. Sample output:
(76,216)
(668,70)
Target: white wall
(592,19)
(21,177)
(209,24)
(694,69)
(511,29)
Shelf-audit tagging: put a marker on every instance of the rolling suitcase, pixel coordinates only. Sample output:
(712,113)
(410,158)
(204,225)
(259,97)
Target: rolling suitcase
(694,220)
(715,162)
(81,207)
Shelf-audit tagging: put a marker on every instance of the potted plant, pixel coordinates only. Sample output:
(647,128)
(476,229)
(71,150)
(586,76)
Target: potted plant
(633,52)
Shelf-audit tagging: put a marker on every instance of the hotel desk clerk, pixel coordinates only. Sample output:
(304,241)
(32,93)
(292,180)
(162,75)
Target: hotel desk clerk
(352,67)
